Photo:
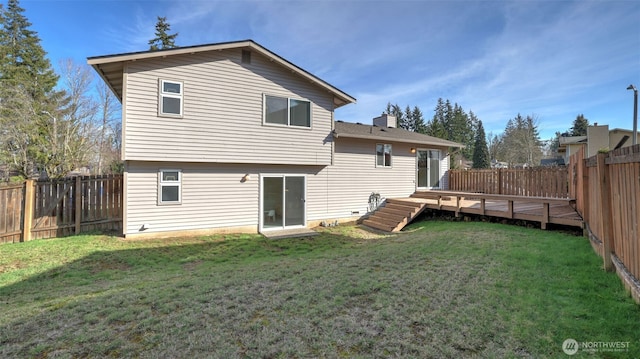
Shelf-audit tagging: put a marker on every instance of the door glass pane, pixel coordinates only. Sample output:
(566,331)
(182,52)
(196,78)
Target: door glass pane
(434,169)
(422,169)
(294,201)
(272,202)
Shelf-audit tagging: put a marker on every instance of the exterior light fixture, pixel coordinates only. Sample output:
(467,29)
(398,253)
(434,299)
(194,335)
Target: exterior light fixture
(413,150)
(635,113)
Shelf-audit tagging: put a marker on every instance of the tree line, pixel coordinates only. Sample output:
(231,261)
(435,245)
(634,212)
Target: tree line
(519,144)
(52,123)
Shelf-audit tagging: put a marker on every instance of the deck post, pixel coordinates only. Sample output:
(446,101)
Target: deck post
(458,200)
(510,208)
(605,208)
(545,215)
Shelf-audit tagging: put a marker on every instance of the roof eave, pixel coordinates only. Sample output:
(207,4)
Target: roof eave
(378,138)
(340,98)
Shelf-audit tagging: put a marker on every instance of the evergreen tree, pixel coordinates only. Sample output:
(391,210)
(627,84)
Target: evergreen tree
(480,149)
(407,120)
(417,118)
(579,127)
(162,40)
(26,73)
(436,126)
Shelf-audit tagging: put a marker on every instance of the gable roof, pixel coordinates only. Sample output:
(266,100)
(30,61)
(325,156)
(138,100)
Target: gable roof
(370,132)
(110,67)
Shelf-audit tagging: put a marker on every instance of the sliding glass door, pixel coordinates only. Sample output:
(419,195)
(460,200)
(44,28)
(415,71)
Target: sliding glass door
(428,169)
(283,201)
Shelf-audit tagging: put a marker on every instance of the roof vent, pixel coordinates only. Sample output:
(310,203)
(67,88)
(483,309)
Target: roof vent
(385,120)
(246,56)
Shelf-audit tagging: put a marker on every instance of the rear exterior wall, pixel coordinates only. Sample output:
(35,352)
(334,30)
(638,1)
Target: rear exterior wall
(214,195)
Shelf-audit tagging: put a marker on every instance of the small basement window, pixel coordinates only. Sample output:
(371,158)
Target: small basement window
(170,187)
(383,155)
(170,101)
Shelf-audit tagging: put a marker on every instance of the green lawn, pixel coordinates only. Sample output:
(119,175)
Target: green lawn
(440,289)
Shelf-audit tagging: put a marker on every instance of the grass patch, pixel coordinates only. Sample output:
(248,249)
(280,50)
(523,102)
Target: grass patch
(440,289)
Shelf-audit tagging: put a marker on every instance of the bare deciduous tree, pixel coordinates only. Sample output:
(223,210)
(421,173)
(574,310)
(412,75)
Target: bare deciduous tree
(18,128)
(109,137)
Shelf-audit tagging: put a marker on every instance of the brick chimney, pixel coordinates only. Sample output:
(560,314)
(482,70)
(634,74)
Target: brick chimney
(385,120)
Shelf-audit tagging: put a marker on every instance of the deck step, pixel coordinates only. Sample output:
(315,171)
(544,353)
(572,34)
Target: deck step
(394,215)
(377,225)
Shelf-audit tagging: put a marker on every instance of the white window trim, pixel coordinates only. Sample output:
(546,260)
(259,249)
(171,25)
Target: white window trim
(162,94)
(162,183)
(390,155)
(289,125)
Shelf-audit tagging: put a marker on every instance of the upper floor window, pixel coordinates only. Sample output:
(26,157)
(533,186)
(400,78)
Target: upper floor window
(287,111)
(170,187)
(170,98)
(383,155)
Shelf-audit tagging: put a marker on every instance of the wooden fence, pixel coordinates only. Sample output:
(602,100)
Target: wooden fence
(607,190)
(46,209)
(529,182)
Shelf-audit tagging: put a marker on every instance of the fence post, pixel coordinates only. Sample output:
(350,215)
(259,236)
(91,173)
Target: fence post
(605,211)
(29,199)
(78,204)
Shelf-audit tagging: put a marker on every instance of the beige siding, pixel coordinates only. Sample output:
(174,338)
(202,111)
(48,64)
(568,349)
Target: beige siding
(354,176)
(223,112)
(214,196)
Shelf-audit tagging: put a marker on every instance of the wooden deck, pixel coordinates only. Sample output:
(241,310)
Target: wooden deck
(535,209)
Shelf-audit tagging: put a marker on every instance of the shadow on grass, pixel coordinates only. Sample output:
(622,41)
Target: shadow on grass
(114,302)
(439,290)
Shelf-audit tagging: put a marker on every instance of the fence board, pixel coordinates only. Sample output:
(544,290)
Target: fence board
(54,210)
(623,191)
(529,182)
(11,199)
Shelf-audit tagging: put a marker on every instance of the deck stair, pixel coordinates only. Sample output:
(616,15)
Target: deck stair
(395,214)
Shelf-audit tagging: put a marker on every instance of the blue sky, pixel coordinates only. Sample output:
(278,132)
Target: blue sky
(551,59)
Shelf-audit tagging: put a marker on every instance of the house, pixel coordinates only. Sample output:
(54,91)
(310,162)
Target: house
(231,137)
(598,137)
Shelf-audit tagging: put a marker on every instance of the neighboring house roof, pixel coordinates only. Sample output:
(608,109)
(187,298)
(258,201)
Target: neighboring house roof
(552,162)
(568,140)
(370,132)
(110,67)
